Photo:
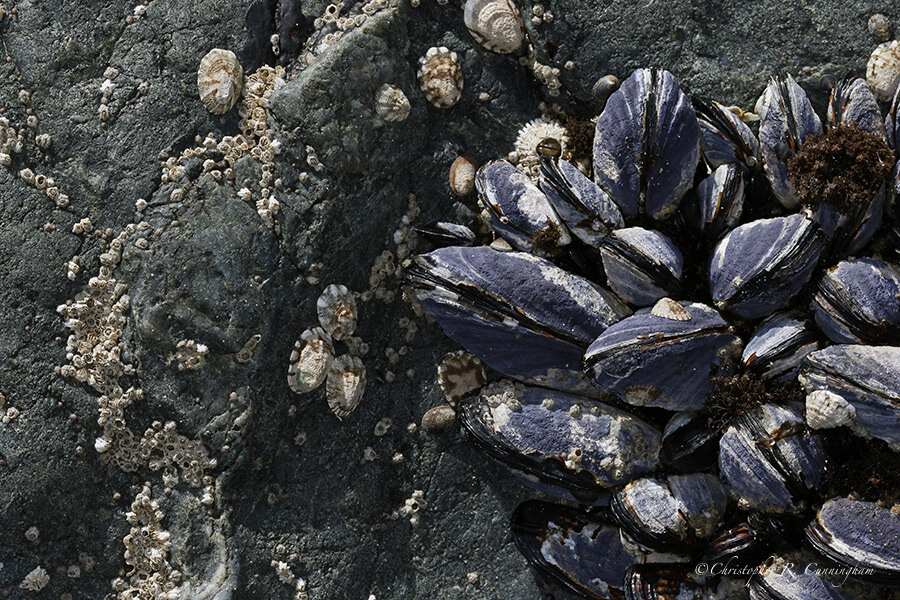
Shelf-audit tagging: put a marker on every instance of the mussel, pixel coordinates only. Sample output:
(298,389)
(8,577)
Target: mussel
(724,138)
(778,345)
(719,202)
(642,265)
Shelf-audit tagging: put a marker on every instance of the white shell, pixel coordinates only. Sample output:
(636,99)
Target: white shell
(495,24)
(462,175)
(825,410)
(667,308)
(337,311)
(219,80)
(883,70)
(441,77)
(459,374)
(345,385)
(310,360)
(391,103)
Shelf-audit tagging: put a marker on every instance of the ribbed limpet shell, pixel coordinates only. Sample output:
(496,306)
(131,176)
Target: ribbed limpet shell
(345,385)
(391,103)
(310,360)
(441,77)
(219,80)
(495,24)
(883,70)
(337,311)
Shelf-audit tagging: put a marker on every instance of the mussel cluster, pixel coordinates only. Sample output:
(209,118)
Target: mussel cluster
(691,331)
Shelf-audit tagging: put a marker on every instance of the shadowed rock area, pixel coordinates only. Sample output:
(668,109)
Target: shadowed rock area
(290,481)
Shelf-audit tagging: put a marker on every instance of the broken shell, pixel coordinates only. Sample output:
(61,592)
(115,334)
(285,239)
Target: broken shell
(825,410)
(441,77)
(345,385)
(883,70)
(459,374)
(337,311)
(462,175)
(391,103)
(219,80)
(310,361)
(439,419)
(495,24)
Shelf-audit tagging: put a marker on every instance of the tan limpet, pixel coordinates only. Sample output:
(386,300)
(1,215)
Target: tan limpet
(310,361)
(495,24)
(883,70)
(219,80)
(441,77)
(391,103)
(337,311)
(462,175)
(460,374)
(345,385)
(667,308)
(439,419)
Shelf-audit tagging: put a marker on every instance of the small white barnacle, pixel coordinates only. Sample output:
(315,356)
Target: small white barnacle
(441,77)
(310,361)
(36,580)
(666,308)
(495,24)
(391,103)
(337,311)
(883,70)
(219,80)
(345,384)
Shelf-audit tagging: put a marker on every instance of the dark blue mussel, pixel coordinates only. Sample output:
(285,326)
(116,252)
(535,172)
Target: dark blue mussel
(867,378)
(860,536)
(758,267)
(578,551)
(783,579)
(853,103)
(718,203)
(442,233)
(663,356)
(689,444)
(519,313)
(676,581)
(646,145)
(858,301)
(642,265)
(566,445)
(892,132)
(724,138)
(588,211)
(770,461)
(786,118)
(520,212)
(778,346)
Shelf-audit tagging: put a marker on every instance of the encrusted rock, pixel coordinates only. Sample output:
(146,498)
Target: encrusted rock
(219,80)
(441,77)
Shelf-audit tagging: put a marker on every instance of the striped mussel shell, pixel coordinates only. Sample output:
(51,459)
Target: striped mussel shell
(781,578)
(724,138)
(642,265)
(719,201)
(779,345)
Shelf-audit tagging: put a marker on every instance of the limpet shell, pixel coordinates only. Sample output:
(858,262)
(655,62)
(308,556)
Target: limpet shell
(345,385)
(219,80)
(391,103)
(462,175)
(337,311)
(495,24)
(825,409)
(441,77)
(310,360)
(459,374)
(883,70)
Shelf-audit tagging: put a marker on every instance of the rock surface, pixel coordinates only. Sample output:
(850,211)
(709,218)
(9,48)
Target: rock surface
(211,270)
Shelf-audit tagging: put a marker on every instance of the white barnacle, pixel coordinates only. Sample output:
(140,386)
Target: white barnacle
(219,80)
(825,410)
(391,103)
(495,24)
(441,77)
(345,385)
(336,309)
(35,580)
(310,361)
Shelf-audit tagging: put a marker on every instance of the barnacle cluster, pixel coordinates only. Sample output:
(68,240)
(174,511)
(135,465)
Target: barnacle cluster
(332,25)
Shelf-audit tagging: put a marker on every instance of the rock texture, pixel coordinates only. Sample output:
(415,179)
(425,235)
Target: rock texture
(212,271)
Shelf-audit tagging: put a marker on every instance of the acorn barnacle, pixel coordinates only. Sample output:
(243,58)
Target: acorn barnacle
(219,80)
(441,77)
(495,24)
(391,103)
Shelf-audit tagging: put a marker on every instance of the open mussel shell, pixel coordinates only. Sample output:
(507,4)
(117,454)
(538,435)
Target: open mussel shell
(520,314)
(672,514)
(853,103)
(786,118)
(770,460)
(717,205)
(663,356)
(688,444)
(642,265)
(782,579)
(724,138)
(588,211)
(778,346)
(758,267)
(646,145)
(675,581)
(865,377)
(442,233)
(566,445)
(860,536)
(520,212)
(858,301)
(577,551)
